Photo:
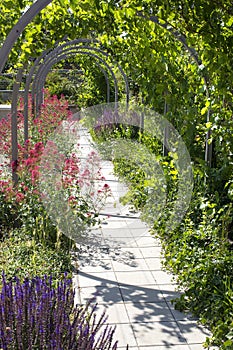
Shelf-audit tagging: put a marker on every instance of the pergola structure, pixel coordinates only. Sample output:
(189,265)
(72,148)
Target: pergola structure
(45,62)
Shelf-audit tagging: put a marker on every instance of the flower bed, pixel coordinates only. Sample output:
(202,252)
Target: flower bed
(34,314)
(36,311)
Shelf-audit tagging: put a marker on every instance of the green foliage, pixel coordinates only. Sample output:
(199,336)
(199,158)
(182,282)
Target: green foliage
(160,69)
(23,255)
(199,251)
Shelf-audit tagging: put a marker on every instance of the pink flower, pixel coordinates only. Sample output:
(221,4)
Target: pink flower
(19,197)
(28,162)
(35,175)
(25,188)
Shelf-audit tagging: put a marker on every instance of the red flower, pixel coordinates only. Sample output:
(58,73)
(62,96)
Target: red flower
(19,197)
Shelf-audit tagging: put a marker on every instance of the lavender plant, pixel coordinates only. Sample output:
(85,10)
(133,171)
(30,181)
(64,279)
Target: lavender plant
(35,314)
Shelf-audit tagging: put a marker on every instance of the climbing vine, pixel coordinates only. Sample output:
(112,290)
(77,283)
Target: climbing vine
(150,39)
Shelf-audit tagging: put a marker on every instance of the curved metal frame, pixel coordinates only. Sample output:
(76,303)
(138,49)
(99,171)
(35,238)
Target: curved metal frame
(77,41)
(44,69)
(18,28)
(41,4)
(36,106)
(40,84)
(28,82)
(49,58)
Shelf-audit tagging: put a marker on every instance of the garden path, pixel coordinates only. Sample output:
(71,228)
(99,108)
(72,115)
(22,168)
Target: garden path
(120,268)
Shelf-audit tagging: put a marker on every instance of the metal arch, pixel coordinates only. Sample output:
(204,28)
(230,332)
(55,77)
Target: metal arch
(57,49)
(14,126)
(42,73)
(26,92)
(41,4)
(28,82)
(72,51)
(193,53)
(77,41)
(46,69)
(18,28)
(79,51)
(50,53)
(106,79)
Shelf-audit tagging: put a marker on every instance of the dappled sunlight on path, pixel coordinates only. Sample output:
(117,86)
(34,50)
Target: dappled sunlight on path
(118,265)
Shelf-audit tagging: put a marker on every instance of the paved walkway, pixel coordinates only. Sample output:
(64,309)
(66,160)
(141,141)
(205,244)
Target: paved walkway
(119,266)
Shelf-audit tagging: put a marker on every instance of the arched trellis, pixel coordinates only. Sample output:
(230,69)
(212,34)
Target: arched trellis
(37,90)
(49,58)
(72,49)
(39,5)
(44,64)
(193,53)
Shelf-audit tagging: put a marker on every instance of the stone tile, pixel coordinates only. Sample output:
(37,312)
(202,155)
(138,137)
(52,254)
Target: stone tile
(93,255)
(108,294)
(113,223)
(180,316)
(200,347)
(138,232)
(151,252)
(112,211)
(89,243)
(154,263)
(192,332)
(136,278)
(158,333)
(132,265)
(116,313)
(146,241)
(148,312)
(132,253)
(162,277)
(94,258)
(145,293)
(169,291)
(125,335)
(130,243)
(120,242)
(95,279)
(117,233)
(137,224)
(96,266)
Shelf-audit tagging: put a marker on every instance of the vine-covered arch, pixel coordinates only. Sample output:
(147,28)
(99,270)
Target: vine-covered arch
(39,5)
(46,61)
(73,48)
(40,70)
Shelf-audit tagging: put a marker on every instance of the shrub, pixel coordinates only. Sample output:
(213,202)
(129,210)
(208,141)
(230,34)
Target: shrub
(22,204)
(199,251)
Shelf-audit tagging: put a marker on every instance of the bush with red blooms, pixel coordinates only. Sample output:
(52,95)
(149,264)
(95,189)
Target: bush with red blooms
(22,204)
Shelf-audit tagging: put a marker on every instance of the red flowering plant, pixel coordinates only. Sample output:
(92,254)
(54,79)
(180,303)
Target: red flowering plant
(23,204)
(71,185)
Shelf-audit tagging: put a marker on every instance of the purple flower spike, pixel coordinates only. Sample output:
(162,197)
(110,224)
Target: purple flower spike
(36,315)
